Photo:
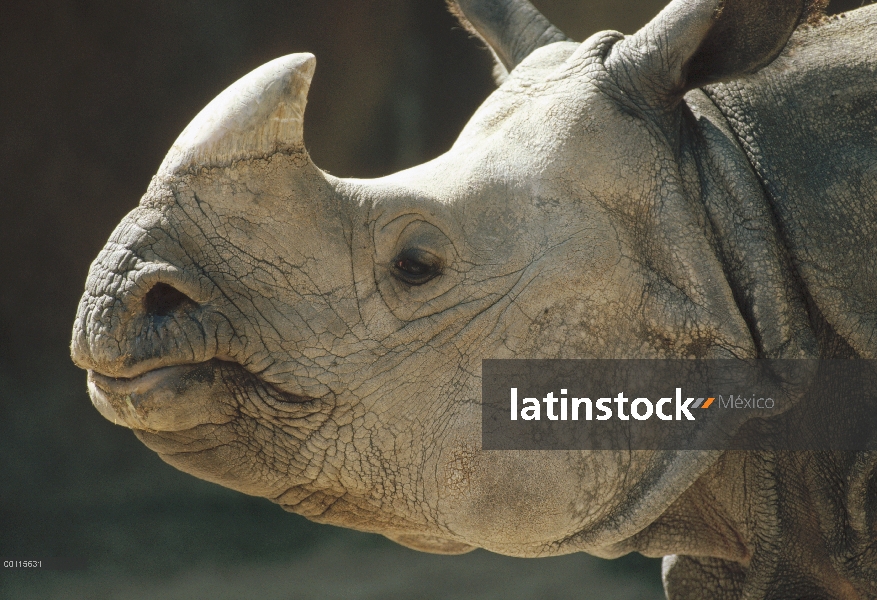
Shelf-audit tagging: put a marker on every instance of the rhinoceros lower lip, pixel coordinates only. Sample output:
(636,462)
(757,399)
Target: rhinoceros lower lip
(145,401)
(141,384)
(178,397)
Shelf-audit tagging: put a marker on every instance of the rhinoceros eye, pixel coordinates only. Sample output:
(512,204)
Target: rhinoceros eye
(415,266)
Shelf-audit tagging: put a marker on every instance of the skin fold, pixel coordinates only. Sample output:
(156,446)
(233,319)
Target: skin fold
(705,188)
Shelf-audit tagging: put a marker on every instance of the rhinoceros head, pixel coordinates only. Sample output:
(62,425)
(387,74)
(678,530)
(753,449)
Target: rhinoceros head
(318,341)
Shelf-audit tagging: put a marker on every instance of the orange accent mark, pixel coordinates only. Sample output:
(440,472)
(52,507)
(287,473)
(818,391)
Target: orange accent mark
(708,402)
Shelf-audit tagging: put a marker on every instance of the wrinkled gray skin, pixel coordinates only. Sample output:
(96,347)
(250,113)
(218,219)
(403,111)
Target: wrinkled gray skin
(317,341)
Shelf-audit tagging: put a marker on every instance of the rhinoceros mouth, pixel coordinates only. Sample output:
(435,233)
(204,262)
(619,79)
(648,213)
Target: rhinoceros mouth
(138,384)
(178,397)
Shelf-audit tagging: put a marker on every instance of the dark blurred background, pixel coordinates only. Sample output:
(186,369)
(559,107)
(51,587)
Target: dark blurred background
(92,94)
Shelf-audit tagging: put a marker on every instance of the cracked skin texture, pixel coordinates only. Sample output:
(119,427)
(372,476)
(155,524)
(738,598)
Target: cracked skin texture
(250,323)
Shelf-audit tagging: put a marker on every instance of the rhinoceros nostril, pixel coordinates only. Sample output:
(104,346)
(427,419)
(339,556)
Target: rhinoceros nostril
(164,299)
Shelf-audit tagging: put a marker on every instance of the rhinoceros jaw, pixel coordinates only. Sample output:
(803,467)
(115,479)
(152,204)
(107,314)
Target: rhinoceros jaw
(257,116)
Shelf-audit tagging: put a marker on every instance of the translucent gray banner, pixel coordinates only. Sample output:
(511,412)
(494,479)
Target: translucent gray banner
(679,405)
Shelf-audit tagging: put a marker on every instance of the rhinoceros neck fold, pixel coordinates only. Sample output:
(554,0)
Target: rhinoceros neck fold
(761,551)
(764,283)
(807,126)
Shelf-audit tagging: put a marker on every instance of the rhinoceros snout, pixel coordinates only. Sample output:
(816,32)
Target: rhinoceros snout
(146,331)
(137,316)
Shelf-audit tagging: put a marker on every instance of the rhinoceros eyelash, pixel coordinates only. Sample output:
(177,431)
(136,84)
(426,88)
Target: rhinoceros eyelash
(416,267)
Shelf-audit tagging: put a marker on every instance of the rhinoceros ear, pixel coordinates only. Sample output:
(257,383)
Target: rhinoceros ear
(512,29)
(695,42)
(257,116)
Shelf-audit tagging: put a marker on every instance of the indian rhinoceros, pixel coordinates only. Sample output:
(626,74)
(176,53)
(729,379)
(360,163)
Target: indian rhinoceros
(704,188)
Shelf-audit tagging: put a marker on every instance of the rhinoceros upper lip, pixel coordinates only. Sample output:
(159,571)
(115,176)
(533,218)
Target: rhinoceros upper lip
(141,377)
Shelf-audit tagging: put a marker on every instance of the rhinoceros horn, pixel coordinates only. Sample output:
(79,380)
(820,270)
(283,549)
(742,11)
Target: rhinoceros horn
(257,116)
